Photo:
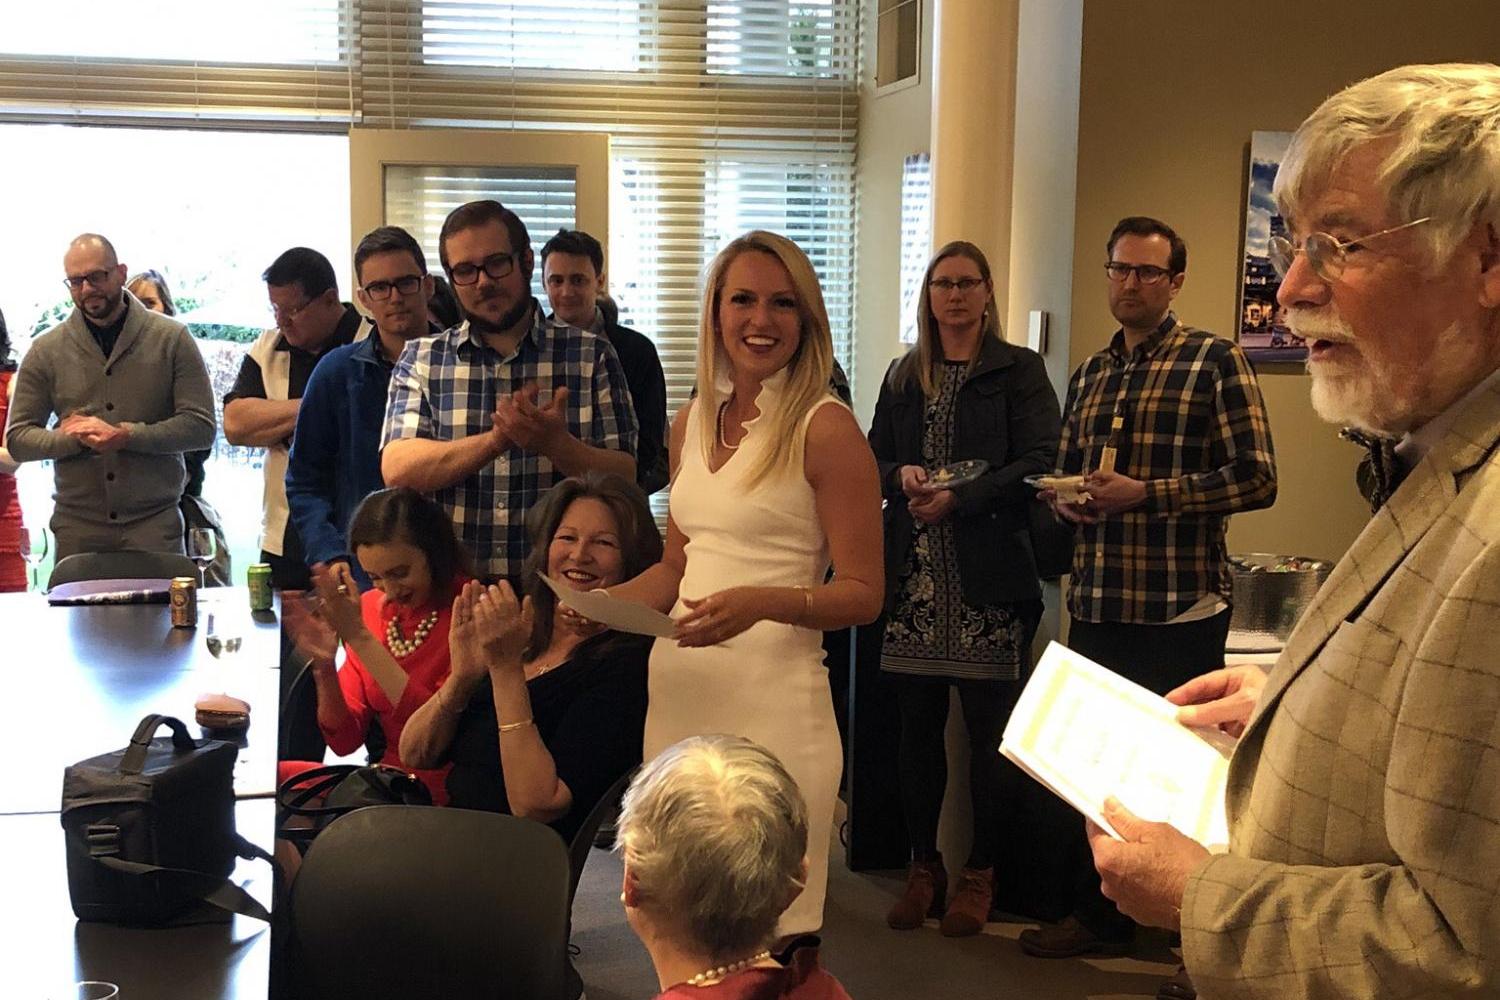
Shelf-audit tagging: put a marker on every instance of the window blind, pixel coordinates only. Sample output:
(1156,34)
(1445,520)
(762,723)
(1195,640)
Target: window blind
(916,237)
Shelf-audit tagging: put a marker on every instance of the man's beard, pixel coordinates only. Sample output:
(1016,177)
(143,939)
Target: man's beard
(111,303)
(1370,394)
(514,315)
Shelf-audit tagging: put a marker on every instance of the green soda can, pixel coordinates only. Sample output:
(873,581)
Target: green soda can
(258,577)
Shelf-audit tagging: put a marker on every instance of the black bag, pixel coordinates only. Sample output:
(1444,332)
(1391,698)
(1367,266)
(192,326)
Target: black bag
(344,788)
(150,830)
(1051,541)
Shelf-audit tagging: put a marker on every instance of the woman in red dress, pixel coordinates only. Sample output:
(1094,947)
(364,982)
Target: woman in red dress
(12,562)
(395,636)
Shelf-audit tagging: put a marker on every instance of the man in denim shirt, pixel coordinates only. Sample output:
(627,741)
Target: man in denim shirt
(335,459)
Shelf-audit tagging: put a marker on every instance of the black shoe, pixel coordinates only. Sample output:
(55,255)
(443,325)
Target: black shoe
(1070,939)
(1179,987)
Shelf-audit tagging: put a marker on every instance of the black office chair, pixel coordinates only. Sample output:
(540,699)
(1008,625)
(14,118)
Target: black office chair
(583,840)
(130,564)
(400,901)
(300,738)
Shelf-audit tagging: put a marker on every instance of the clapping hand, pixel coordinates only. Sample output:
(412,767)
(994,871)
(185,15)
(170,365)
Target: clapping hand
(502,626)
(338,595)
(465,657)
(309,631)
(535,428)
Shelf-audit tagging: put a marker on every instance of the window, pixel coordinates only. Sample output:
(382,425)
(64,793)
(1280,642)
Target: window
(898,43)
(170,213)
(794,38)
(228,31)
(589,35)
(419,198)
(916,237)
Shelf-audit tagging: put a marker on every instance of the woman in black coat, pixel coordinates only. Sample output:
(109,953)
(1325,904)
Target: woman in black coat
(962,599)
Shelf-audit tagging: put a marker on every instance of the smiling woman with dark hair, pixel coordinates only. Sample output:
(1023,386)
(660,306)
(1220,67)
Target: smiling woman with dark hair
(540,716)
(12,562)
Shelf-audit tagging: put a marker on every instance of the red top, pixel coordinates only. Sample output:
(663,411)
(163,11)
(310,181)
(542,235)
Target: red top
(12,563)
(803,979)
(426,669)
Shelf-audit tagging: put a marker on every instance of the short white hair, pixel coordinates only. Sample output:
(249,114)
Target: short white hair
(715,832)
(1444,124)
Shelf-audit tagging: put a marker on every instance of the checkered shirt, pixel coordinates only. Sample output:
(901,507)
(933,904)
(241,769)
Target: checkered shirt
(1196,433)
(445,388)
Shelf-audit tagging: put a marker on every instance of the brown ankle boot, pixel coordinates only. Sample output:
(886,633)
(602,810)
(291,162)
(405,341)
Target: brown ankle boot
(970,906)
(926,887)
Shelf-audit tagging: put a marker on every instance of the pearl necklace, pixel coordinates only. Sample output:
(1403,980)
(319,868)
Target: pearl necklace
(719,426)
(708,976)
(399,645)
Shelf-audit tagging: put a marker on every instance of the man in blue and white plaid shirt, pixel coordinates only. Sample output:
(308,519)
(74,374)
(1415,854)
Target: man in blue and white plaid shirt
(488,415)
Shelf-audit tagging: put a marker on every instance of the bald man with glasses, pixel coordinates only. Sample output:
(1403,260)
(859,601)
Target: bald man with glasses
(114,395)
(1182,415)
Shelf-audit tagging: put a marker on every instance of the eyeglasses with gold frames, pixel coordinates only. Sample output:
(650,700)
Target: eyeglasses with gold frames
(1327,254)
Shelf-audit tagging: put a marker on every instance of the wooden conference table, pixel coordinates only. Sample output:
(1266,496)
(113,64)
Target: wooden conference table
(80,679)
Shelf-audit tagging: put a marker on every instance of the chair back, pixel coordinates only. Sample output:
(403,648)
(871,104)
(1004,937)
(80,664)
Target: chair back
(300,738)
(394,902)
(129,564)
(583,840)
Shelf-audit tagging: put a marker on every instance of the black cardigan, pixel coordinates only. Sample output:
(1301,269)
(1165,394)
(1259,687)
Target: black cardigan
(1007,414)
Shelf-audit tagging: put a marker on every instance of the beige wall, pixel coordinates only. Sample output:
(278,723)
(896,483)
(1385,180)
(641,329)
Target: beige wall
(1171,91)
(891,127)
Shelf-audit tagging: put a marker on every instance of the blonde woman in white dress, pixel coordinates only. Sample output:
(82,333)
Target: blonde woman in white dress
(771,480)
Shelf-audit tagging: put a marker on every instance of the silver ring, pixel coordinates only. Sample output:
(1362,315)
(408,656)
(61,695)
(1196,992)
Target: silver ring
(344,589)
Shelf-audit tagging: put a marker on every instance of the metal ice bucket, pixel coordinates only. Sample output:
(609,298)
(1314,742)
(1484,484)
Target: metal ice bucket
(1270,594)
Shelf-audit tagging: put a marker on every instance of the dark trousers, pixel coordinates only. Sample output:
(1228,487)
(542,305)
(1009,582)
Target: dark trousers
(1158,657)
(923,758)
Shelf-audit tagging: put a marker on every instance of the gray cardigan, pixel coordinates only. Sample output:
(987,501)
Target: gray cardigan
(155,383)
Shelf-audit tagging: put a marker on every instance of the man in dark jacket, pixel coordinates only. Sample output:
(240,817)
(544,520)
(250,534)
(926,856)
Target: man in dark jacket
(573,274)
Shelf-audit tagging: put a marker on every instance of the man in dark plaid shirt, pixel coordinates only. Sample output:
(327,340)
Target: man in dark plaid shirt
(1150,584)
(488,415)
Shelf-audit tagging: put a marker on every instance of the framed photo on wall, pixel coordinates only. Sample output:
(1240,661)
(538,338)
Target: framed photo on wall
(1263,330)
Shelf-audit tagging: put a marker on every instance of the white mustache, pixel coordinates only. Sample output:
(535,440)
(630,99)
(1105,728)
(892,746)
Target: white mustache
(1319,326)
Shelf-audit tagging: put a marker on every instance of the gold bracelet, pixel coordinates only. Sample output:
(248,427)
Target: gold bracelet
(508,727)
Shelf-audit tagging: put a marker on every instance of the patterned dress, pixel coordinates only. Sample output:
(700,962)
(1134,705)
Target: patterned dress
(12,562)
(933,631)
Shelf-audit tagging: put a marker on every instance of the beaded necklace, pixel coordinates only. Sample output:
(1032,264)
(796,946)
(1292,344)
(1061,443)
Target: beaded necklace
(399,645)
(709,976)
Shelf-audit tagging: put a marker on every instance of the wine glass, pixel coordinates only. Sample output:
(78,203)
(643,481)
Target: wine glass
(202,546)
(34,550)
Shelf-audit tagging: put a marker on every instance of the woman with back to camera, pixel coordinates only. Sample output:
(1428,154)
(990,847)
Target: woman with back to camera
(396,634)
(963,600)
(12,560)
(540,717)
(714,836)
(771,476)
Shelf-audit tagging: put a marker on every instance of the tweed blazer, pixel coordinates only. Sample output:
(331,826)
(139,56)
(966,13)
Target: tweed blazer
(1364,796)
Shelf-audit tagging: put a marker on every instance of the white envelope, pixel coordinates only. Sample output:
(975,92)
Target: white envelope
(620,615)
(1087,733)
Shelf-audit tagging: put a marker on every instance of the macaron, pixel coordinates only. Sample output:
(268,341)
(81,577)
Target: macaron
(222,711)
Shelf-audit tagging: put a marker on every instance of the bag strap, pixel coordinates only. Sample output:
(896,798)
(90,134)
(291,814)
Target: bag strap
(103,842)
(135,754)
(292,796)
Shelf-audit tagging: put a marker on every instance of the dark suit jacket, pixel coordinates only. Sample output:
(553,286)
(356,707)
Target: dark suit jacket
(1007,415)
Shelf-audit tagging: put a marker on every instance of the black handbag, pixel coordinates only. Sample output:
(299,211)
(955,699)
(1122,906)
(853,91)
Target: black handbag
(150,830)
(338,789)
(1051,541)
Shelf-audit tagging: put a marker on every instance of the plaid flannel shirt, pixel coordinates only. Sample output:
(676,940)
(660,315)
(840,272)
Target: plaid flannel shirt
(445,388)
(1196,433)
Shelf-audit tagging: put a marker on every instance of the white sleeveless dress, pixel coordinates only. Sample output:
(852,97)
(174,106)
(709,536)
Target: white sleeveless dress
(768,683)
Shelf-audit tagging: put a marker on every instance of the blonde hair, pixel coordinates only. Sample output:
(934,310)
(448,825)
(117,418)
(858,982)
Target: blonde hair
(715,832)
(1444,123)
(923,363)
(807,373)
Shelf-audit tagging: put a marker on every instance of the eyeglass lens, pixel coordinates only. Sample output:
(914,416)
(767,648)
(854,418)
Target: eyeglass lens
(496,266)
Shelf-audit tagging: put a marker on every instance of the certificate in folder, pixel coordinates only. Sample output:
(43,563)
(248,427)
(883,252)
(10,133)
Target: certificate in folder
(1087,733)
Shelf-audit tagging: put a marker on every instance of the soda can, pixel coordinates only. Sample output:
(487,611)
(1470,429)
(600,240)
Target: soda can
(183,594)
(258,577)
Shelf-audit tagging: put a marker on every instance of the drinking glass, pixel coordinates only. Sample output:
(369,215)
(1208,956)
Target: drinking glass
(201,549)
(34,550)
(89,989)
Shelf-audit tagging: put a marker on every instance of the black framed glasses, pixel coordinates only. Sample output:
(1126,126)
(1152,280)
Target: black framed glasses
(1327,254)
(284,316)
(95,278)
(497,266)
(407,284)
(965,285)
(1146,274)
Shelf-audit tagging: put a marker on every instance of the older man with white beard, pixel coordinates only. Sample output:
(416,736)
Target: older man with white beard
(1364,794)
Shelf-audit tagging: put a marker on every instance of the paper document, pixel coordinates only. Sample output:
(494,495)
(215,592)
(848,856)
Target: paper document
(623,616)
(1087,733)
